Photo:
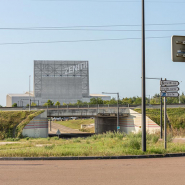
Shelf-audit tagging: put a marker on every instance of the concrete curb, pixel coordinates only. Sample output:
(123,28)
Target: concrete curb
(91,157)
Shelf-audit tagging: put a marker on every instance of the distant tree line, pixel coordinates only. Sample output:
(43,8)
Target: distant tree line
(156,99)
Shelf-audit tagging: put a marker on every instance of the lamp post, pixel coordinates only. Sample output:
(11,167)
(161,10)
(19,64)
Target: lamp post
(29,93)
(117,106)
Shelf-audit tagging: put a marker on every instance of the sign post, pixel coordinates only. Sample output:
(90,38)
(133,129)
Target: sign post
(165,123)
(58,133)
(168,89)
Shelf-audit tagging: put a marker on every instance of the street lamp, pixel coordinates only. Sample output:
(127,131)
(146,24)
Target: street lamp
(117,106)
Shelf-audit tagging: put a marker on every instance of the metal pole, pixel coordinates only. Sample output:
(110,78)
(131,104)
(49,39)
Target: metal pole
(165,122)
(50,124)
(179,92)
(161,116)
(143,80)
(118,111)
(29,92)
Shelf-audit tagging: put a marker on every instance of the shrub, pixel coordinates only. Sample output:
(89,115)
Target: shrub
(135,143)
(14,105)
(57,103)
(49,147)
(55,138)
(94,137)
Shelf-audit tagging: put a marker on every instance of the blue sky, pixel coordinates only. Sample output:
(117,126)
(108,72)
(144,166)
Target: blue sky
(115,66)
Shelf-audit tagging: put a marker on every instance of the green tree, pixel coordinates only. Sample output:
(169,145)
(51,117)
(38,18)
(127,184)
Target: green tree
(97,100)
(57,103)
(79,102)
(14,105)
(137,101)
(48,103)
(113,101)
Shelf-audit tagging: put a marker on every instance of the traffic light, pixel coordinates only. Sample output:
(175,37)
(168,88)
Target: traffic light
(178,48)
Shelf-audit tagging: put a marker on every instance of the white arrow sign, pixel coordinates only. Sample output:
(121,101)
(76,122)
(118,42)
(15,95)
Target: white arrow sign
(169,94)
(169,83)
(169,88)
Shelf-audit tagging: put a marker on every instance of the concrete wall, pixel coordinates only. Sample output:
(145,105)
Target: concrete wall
(132,123)
(38,127)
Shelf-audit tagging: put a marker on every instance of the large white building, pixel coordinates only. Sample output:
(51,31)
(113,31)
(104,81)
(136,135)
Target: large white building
(63,81)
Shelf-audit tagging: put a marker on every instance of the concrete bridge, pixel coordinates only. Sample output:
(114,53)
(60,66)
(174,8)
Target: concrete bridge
(105,118)
(87,112)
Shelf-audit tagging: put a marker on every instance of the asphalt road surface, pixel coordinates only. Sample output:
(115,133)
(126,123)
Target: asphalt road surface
(165,171)
(63,129)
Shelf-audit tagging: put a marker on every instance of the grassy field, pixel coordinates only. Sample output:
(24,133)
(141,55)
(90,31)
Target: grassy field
(76,124)
(176,116)
(109,144)
(9,120)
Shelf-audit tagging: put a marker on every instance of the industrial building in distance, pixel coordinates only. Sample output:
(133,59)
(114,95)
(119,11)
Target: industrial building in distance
(55,80)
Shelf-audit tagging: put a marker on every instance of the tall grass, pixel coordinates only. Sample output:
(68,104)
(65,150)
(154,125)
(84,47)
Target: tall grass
(10,119)
(175,116)
(107,144)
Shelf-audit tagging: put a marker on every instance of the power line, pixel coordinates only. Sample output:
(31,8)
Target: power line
(63,29)
(93,26)
(75,41)
(111,1)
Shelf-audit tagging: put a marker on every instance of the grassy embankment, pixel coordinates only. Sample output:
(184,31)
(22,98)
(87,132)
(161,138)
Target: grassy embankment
(109,144)
(76,124)
(13,122)
(175,119)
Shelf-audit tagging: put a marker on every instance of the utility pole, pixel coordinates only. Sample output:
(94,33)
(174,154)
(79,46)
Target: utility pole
(161,117)
(118,111)
(143,81)
(29,94)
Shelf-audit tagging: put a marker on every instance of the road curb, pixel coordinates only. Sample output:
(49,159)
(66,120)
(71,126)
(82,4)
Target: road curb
(91,157)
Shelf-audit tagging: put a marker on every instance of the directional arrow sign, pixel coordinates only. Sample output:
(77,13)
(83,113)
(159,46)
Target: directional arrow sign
(170,94)
(169,88)
(169,83)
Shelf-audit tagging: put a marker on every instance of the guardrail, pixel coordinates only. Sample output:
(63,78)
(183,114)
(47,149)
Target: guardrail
(98,106)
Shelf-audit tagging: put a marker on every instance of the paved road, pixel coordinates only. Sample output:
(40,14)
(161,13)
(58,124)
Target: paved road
(166,171)
(63,129)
